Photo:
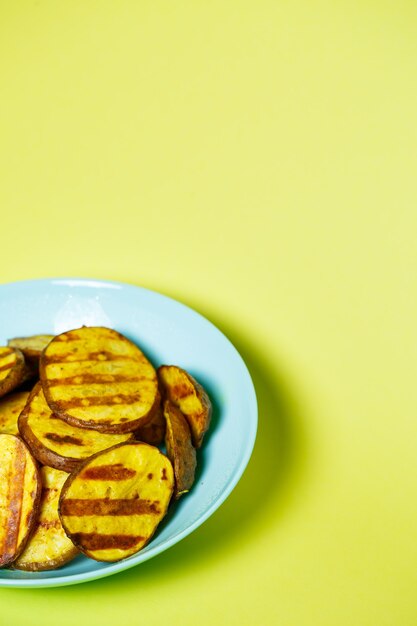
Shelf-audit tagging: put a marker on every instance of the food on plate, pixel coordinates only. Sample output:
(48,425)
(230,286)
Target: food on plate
(112,504)
(31,347)
(154,431)
(94,377)
(180,450)
(11,406)
(13,370)
(48,546)
(55,442)
(20,491)
(93,422)
(189,396)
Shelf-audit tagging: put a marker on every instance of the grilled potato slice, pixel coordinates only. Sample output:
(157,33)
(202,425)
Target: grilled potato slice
(190,397)
(180,450)
(154,431)
(20,491)
(10,408)
(58,444)
(94,377)
(31,347)
(48,547)
(112,504)
(12,369)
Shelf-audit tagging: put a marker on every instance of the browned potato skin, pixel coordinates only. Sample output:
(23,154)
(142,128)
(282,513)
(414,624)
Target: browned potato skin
(31,348)
(16,375)
(24,344)
(6,560)
(67,554)
(43,454)
(199,421)
(180,450)
(154,432)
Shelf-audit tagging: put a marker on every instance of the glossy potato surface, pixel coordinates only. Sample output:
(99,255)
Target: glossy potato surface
(111,506)
(57,443)
(189,396)
(11,406)
(20,490)
(48,547)
(94,377)
(13,370)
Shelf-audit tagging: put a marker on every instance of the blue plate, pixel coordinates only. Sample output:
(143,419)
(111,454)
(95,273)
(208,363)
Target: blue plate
(168,332)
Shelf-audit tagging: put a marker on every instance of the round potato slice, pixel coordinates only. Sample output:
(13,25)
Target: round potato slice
(58,444)
(111,506)
(189,396)
(10,408)
(48,546)
(20,492)
(94,377)
(13,369)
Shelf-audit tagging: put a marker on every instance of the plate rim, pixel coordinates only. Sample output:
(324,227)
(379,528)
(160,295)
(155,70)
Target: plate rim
(123,565)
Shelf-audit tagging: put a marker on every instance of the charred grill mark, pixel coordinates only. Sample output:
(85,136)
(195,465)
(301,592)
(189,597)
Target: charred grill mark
(15,498)
(111,400)
(5,352)
(97,541)
(7,366)
(105,506)
(108,472)
(180,391)
(28,517)
(100,356)
(63,439)
(164,474)
(45,495)
(95,379)
(150,476)
(47,524)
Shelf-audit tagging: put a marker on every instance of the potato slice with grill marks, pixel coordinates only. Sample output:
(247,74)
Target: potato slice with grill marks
(180,450)
(13,369)
(111,506)
(48,546)
(31,347)
(189,396)
(20,491)
(10,408)
(55,442)
(94,377)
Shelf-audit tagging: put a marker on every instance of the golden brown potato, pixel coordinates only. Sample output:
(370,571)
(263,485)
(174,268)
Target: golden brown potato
(189,396)
(58,444)
(48,546)
(31,348)
(94,377)
(12,369)
(10,408)
(20,491)
(154,431)
(112,504)
(180,450)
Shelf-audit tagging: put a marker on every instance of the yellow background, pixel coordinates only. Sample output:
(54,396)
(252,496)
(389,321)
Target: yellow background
(256,160)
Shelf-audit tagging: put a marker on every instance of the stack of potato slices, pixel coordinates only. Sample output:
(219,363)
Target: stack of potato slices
(82,470)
